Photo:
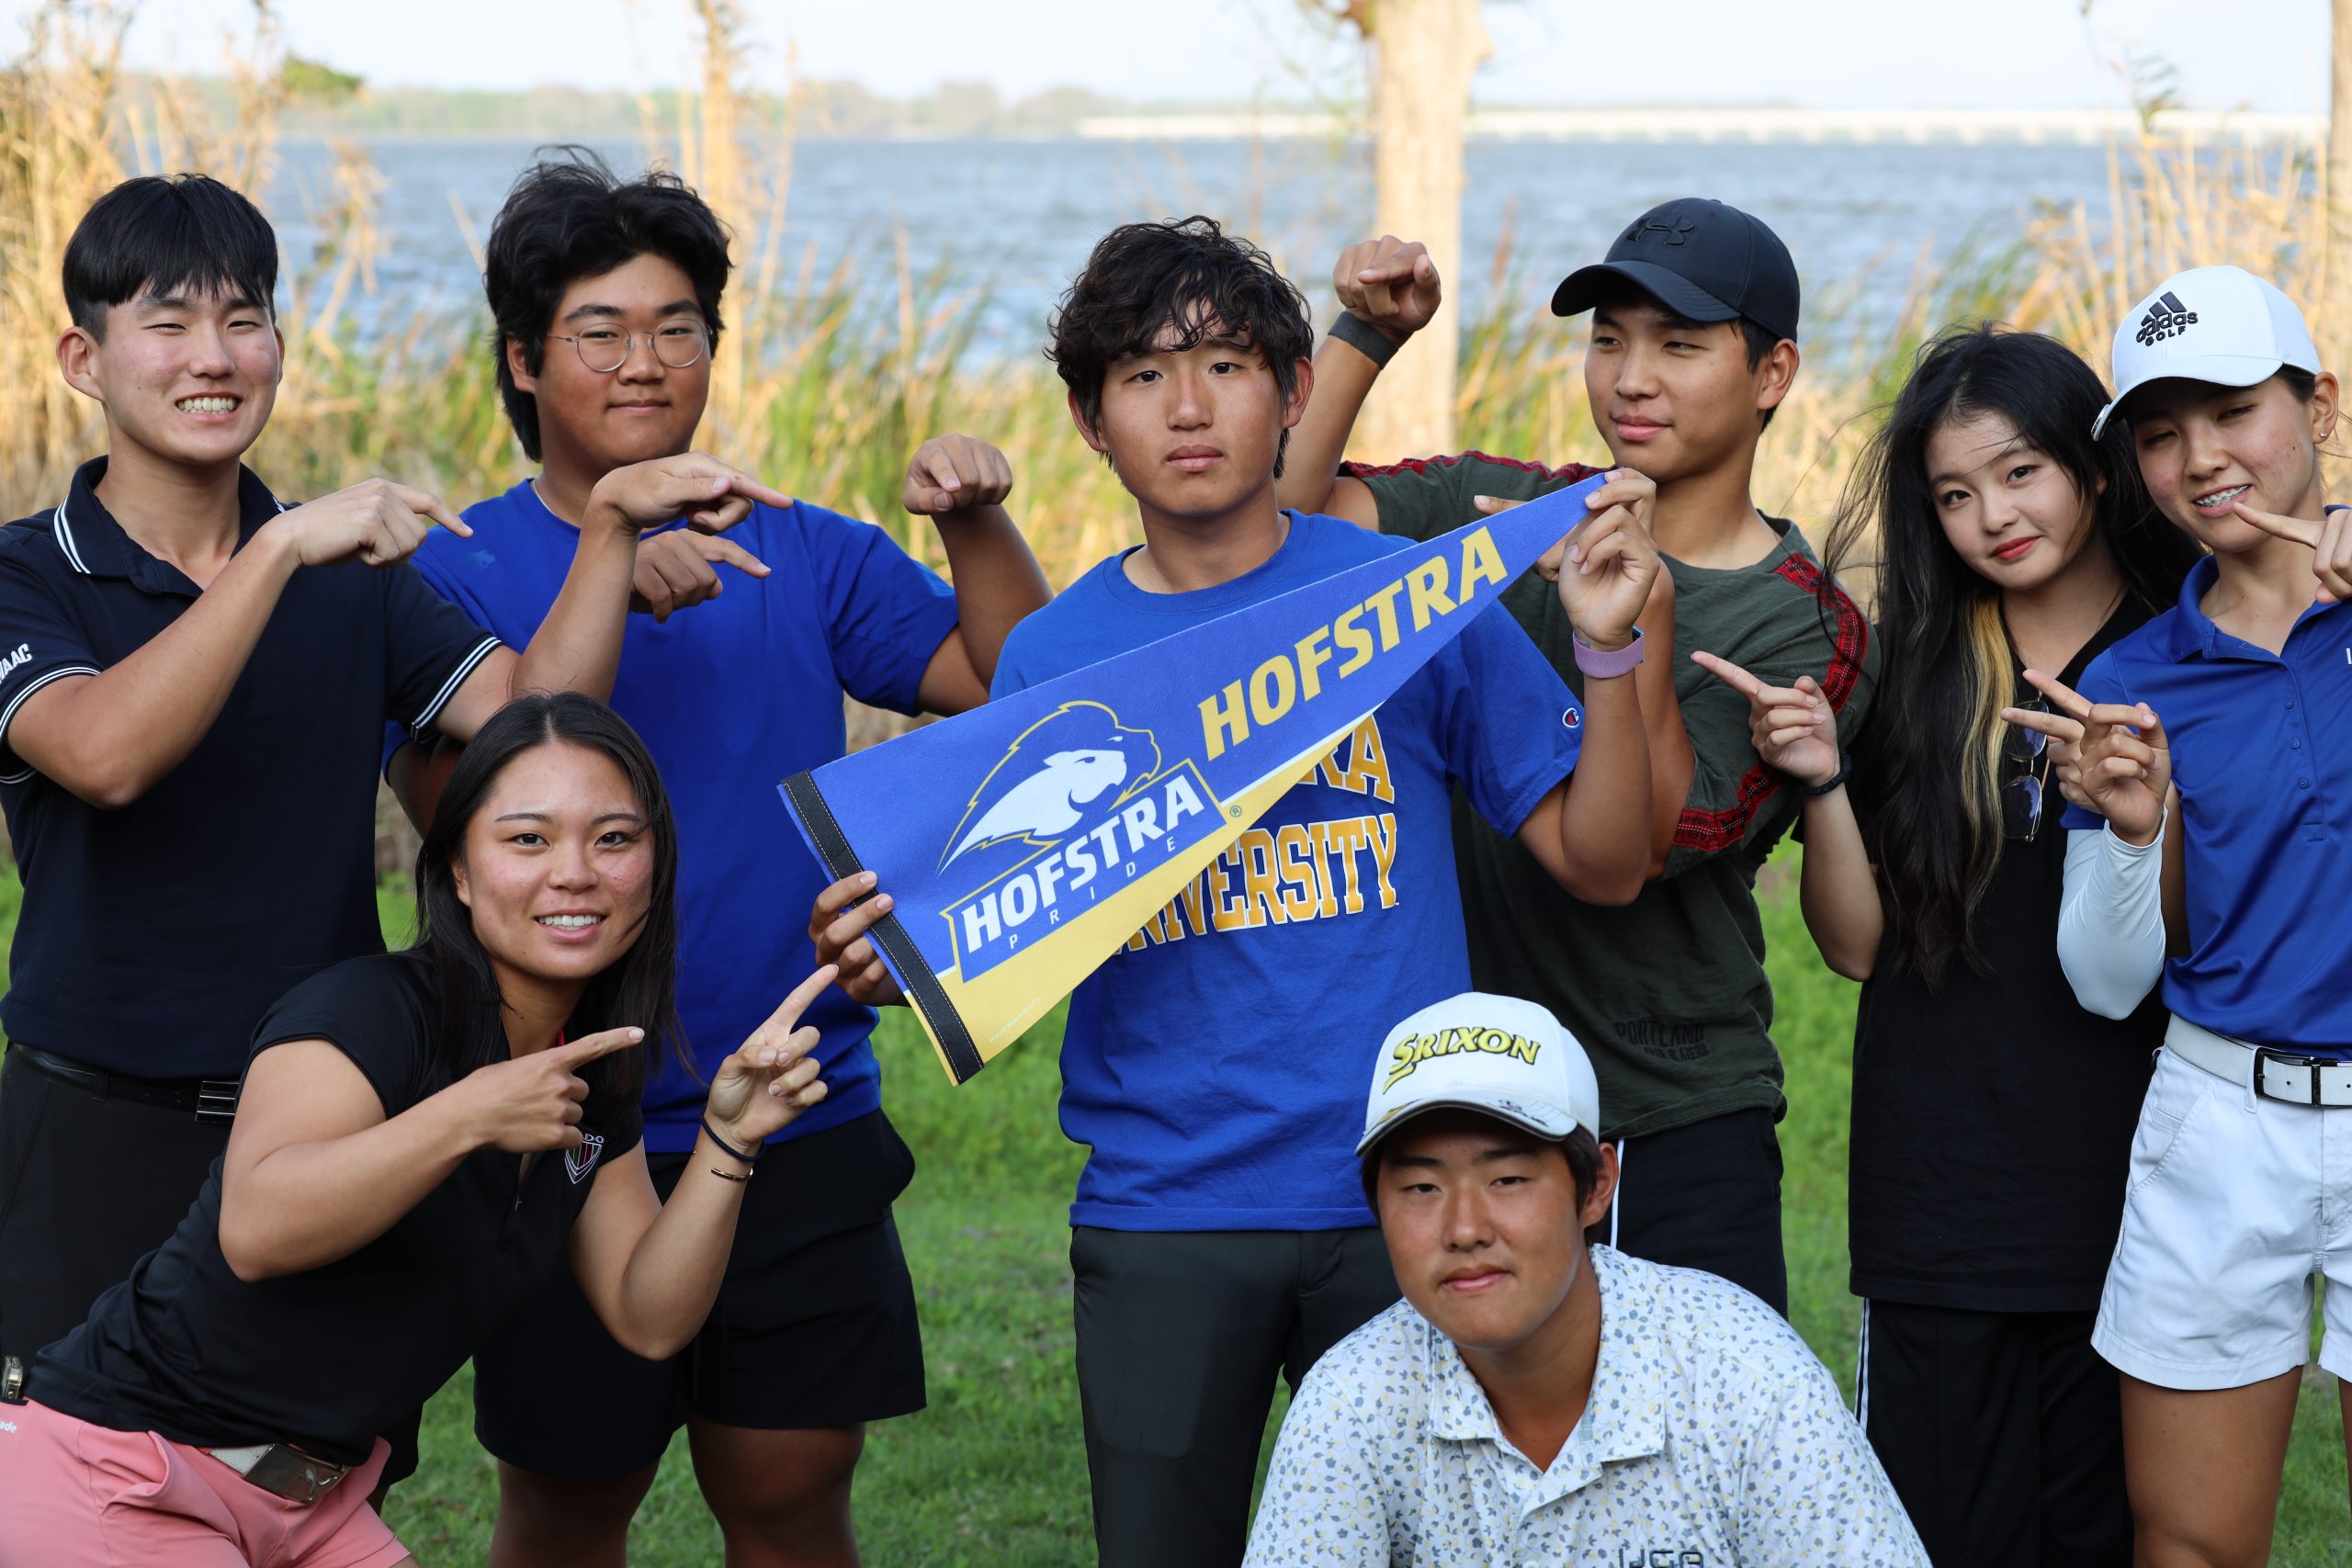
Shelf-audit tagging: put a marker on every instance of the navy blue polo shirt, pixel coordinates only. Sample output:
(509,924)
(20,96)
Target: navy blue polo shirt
(2262,754)
(732,697)
(153,939)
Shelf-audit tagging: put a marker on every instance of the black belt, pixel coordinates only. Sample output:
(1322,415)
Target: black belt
(208,1100)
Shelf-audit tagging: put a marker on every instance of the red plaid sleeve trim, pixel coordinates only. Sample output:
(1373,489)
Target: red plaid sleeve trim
(1710,832)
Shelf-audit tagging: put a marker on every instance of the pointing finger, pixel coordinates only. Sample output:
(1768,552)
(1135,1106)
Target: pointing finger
(734,554)
(2057,725)
(604,1042)
(808,991)
(1730,674)
(2302,531)
(2070,702)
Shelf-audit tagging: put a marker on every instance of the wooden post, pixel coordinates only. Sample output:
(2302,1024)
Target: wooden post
(1425,54)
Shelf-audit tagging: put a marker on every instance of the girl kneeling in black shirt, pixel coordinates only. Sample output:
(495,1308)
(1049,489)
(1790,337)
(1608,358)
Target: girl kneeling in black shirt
(420,1134)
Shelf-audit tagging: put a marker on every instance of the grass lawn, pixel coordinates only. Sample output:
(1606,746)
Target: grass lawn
(994,1470)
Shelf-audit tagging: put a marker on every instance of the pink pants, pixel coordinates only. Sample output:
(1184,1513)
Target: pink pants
(74,1495)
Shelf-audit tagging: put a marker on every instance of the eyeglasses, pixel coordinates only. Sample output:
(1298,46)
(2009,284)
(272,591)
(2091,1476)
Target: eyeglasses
(2022,795)
(676,343)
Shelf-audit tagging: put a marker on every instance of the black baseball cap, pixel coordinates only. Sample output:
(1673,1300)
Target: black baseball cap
(1700,259)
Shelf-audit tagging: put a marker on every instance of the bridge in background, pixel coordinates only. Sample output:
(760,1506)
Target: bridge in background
(2080,127)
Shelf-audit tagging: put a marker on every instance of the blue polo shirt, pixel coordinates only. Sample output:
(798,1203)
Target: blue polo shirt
(730,697)
(153,939)
(2262,754)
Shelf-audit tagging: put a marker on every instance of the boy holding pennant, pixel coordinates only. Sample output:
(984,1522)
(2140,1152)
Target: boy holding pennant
(1220,1237)
(607,296)
(1693,346)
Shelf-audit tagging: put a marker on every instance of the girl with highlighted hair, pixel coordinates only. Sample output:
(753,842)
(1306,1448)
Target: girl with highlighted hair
(2002,535)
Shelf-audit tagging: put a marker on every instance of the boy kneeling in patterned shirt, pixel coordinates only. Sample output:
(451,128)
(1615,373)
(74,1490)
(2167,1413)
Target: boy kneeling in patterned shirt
(1538,1398)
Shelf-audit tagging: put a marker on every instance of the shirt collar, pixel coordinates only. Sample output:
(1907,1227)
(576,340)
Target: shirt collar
(95,545)
(2193,631)
(1625,1415)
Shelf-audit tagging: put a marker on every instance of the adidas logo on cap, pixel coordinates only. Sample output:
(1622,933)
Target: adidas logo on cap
(2167,318)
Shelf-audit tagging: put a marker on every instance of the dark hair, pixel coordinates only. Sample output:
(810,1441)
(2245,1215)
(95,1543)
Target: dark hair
(1190,275)
(641,989)
(1949,664)
(1758,341)
(569,216)
(1579,1148)
(163,233)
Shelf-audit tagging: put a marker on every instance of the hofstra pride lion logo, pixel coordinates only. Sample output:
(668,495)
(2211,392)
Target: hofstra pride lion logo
(1079,805)
(1054,770)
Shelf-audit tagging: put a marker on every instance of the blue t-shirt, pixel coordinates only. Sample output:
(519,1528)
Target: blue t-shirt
(730,697)
(1217,1065)
(2262,754)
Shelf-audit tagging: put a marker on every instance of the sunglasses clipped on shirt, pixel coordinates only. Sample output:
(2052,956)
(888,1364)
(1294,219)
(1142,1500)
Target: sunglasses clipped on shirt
(2021,793)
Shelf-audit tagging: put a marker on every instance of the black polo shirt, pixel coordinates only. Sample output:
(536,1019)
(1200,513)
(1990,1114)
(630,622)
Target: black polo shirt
(151,939)
(328,1358)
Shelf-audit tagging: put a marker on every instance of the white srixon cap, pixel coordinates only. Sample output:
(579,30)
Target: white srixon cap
(1508,1058)
(2220,325)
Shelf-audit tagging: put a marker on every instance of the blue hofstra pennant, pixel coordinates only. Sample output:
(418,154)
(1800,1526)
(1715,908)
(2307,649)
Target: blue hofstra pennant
(1026,840)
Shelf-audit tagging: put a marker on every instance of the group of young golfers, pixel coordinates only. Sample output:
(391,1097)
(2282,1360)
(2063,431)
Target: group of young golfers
(1479,1158)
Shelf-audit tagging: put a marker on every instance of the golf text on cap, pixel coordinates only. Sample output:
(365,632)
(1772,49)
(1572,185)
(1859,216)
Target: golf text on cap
(2167,318)
(1415,1049)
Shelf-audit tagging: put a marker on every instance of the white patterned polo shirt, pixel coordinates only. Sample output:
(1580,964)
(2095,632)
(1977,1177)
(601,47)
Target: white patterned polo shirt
(1712,1440)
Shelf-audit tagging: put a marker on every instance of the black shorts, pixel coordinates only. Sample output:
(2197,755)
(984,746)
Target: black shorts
(1705,1195)
(814,1325)
(2001,1432)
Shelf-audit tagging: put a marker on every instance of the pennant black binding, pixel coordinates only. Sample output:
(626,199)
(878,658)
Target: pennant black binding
(923,989)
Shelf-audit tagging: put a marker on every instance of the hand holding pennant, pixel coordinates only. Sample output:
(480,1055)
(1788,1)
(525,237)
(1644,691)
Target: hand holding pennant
(1023,843)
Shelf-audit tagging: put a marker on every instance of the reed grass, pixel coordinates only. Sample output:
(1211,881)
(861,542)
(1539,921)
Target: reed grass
(827,379)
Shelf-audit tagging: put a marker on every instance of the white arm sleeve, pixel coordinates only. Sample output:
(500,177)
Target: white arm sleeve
(2111,921)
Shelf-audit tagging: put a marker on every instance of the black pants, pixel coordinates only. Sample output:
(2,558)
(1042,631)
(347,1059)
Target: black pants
(1179,1337)
(2002,1432)
(1705,1196)
(87,1187)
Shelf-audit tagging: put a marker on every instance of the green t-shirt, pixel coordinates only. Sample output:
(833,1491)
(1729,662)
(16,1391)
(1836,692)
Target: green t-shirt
(1667,994)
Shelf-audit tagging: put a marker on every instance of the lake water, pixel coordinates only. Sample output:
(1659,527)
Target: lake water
(1014,220)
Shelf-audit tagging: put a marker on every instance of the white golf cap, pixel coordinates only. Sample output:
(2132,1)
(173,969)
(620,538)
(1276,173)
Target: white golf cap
(1508,1058)
(2220,325)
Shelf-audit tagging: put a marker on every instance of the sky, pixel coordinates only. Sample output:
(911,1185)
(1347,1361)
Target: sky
(2272,54)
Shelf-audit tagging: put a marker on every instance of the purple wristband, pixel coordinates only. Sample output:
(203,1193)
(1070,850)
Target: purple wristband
(1599,666)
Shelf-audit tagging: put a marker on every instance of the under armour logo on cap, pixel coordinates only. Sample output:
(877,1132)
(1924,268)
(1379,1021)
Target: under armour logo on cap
(1674,233)
(2167,318)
